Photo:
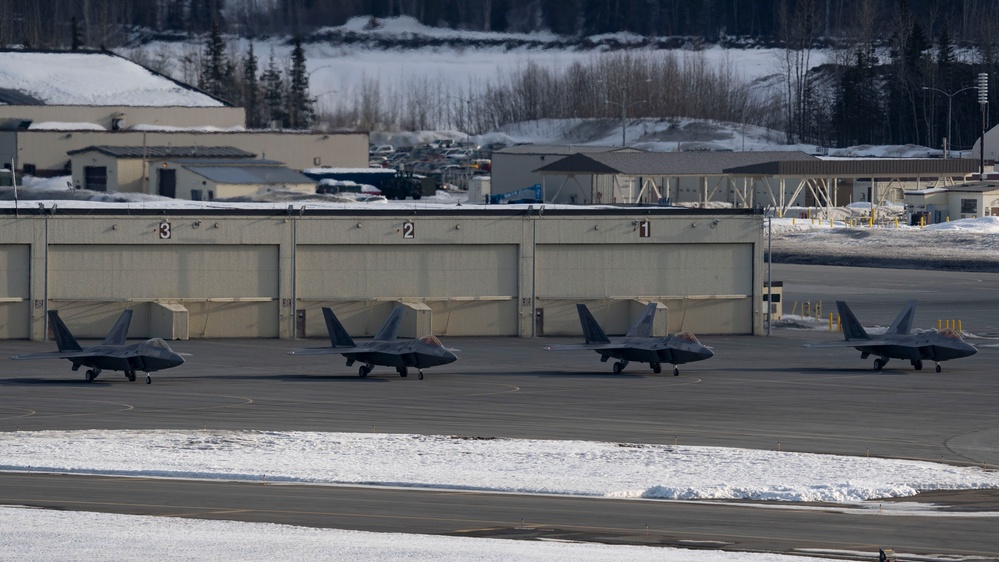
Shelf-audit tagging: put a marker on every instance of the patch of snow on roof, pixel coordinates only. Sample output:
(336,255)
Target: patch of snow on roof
(77,78)
(171,128)
(60,126)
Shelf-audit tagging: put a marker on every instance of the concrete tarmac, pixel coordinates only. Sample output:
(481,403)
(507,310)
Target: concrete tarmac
(757,392)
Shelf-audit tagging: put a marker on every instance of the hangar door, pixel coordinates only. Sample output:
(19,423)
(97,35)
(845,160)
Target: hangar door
(707,288)
(470,289)
(229,291)
(15,293)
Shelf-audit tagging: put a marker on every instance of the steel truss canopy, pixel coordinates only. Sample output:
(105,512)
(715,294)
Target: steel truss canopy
(780,176)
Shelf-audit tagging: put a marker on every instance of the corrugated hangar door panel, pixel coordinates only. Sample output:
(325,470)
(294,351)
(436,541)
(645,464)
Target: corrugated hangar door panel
(398,271)
(162,272)
(597,271)
(15,293)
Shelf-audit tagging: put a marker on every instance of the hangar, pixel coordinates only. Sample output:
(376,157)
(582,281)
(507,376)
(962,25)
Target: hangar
(215,272)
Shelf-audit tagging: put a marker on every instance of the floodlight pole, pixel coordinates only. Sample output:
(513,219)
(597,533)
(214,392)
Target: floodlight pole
(624,105)
(950,99)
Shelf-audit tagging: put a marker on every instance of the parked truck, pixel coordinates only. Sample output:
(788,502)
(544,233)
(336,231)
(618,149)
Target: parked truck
(407,184)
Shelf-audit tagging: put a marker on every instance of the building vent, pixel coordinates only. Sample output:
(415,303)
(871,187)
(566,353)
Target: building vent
(117,123)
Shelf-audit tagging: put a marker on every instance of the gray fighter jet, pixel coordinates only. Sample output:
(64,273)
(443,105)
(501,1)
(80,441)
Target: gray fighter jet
(112,354)
(897,342)
(384,349)
(638,344)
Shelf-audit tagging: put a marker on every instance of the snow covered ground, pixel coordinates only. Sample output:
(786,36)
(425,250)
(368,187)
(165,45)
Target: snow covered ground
(35,535)
(573,468)
(578,468)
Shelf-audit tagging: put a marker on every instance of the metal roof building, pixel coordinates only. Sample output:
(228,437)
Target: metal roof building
(779,179)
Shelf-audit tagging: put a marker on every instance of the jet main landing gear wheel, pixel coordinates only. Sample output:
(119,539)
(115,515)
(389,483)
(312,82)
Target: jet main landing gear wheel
(879,364)
(403,371)
(363,371)
(619,366)
(917,364)
(657,368)
(130,375)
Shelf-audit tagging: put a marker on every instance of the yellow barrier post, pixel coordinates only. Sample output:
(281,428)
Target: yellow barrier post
(896,222)
(938,324)
(830,322)
(959,326)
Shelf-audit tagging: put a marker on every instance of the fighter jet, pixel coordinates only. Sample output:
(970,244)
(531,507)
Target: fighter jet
(384,349)
(112,354)
(638,344)
(897,342)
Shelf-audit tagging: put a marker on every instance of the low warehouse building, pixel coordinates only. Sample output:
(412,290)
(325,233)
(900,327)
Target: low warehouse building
(515,271)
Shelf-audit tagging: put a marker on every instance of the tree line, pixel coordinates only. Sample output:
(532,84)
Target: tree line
(113,23)
(896,76)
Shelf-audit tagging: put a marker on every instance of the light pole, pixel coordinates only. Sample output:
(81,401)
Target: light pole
(950,100)
(983,100)
(624,105)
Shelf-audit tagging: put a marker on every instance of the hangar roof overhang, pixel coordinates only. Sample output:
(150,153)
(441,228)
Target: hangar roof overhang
(313,208)
(668,163)
(160,152)
(860,168)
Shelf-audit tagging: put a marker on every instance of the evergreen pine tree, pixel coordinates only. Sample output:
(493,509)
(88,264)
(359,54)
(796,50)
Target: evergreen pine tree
(76,36)
(274,94)
(216,66)
(251,90)
(300,107)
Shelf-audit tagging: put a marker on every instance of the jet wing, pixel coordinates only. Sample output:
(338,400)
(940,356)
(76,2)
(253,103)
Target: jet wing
(54,355)
(853,343)
(600,347)
(344,350)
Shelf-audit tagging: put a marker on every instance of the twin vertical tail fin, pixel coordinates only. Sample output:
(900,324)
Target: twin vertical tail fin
(64,339)
(852,329)
(643,326)
(338,335)
(591,330)
(119,332)
(903,322)
(390,329)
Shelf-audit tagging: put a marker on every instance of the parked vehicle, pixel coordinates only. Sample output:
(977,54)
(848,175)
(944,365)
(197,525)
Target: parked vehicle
(381,150)
(404,184)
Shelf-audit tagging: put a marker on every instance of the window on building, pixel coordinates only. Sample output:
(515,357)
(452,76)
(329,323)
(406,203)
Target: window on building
(195,195)
(95,178)
(969,206)
(29,169)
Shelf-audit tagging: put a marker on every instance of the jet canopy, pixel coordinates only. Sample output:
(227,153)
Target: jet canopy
(157,342)
(951,333)
(688,337)
(431,340)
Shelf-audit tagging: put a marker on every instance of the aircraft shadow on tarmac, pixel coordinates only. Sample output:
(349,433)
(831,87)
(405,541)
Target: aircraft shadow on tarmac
(26,381)
(811,371)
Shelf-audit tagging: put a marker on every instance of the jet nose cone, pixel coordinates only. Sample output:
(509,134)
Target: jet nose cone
(449,357)
(706,353)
